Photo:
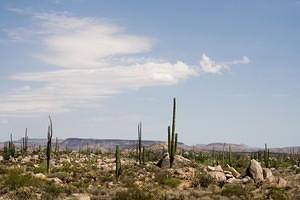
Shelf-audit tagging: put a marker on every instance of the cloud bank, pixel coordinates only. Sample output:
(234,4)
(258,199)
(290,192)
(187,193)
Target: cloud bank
(93,59)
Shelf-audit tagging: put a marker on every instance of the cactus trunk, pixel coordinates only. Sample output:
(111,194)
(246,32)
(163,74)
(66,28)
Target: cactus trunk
(49,142)
(118,162)
(172,137)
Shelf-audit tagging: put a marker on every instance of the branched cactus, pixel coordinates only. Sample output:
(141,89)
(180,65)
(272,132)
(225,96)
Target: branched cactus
(172,137)
(49,143)
(118,162)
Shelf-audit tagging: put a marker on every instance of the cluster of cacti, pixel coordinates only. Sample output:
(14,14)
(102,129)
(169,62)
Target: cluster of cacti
(266,156)
(9,150)
(49,143)
(172,137)
(118,162)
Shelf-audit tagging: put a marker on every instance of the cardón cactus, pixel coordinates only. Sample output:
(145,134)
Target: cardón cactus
(172,137)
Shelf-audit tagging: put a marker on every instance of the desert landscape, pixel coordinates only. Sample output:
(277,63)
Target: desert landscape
(135,169)
(149,100)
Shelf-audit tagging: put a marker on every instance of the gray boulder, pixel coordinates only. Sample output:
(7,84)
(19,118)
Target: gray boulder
(255,171)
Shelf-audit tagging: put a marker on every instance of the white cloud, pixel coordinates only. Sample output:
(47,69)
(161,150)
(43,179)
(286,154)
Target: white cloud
(97,59)
(210,66)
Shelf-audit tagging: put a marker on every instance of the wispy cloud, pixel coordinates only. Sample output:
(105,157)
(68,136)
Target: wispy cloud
(210,66)
(98,59)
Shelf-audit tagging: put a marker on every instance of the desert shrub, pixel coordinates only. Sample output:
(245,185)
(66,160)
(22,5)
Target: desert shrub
(133,193)
(298,171)
(42,168)
(277,193)
(65,177)
(170,181)
(23,193)
(15,179)
(52,189)
(204,180)
(3,170)
(234,190)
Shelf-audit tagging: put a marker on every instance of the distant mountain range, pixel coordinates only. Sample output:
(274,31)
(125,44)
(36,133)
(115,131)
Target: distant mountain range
(109,144)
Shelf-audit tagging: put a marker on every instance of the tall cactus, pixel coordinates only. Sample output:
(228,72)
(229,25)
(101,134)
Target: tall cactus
(49,142)
(26,140)
(223,155)
(56,145)
(172,137)
(118,162)
(266,156)
(11,147)
(143,155)
(229,155)
(139,148)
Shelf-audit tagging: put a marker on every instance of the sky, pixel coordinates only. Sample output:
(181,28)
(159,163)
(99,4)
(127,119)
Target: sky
(100,67)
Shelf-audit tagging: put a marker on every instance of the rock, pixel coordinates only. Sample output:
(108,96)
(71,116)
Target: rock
(40,176)
(1,158)
(246,179)
(218,176)
(229,176)
(56,180)
(234,181)
(82,196)
(227,172)
(235,173)
(268,175)
(35,157)
(26,159)
(230,180)
(217,168)
(255,171)
(281,182)
(179,161)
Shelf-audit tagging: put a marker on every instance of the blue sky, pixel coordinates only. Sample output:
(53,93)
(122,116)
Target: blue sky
(99,67)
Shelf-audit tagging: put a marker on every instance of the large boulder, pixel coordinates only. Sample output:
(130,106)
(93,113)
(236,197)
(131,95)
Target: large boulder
(255,171)
(179,161)
(268,175)
(218,176)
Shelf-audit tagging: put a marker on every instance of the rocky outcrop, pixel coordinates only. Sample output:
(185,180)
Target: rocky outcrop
(179,161)
(255,171)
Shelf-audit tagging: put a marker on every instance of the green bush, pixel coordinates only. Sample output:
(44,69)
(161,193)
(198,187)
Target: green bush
(42,168)
(170,181)
(277,193)
(204,180)
(234,190)
(15,179)
(134,193)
